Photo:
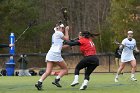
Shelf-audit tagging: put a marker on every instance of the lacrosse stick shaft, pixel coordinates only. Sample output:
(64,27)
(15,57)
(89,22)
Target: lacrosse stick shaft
(116,42)
(22,34)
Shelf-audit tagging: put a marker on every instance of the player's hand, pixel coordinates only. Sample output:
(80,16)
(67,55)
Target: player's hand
(11,45)
(138,51)
(67,28)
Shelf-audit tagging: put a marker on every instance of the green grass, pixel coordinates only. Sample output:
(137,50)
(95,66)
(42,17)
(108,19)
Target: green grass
(99,83)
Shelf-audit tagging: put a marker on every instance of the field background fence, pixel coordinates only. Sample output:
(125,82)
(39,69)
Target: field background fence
(37,62)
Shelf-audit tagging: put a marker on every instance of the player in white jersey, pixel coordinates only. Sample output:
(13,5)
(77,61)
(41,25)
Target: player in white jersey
(128,45)
(54,56)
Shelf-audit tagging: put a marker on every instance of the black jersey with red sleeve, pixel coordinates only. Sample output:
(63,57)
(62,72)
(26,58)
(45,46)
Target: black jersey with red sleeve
(87,46)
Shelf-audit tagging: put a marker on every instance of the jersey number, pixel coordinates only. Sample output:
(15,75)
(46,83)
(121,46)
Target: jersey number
(91,43)
(131,47)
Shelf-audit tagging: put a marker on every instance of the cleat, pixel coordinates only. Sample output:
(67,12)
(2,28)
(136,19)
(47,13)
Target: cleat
(133,79)
(116,80)
(83,87)
(74,83)
(38,85)
(56,83)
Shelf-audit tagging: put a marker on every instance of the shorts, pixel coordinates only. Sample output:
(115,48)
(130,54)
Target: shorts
(90,60)
(54,57)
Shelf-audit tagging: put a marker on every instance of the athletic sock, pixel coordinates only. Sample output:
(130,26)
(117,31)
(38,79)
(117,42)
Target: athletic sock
(117,76)
(132,75)
(57,77)
(85,82)
(76,77)
(40,80)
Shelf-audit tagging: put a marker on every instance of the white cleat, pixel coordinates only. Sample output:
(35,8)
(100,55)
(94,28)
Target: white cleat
(133,79)
(74,83)
(83,87)
(116,80)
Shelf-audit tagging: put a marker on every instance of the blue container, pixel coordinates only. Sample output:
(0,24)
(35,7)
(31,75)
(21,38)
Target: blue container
(10,67)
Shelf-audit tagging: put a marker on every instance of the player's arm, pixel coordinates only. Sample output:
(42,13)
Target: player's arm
(122,45)
(5,45)
(66,36)
(73,43)
(136,49)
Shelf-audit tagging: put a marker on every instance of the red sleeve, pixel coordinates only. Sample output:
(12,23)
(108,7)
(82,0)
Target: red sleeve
(81,41)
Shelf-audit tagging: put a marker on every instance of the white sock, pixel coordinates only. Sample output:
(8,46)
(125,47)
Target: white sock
(76,78)
(132,75)
(40,80)
(117,76)
(85,82)
(57,77)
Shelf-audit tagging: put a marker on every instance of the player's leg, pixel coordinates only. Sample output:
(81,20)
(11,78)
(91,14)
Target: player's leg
(133,65)
(117,62)
(79,66)
(89,70)
(119,65)
(64,71)
(92,62)
(49,67)
(122,65)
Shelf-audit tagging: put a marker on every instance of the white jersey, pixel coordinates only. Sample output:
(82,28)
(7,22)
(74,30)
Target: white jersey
(54,54)
(127,53)
(57,42)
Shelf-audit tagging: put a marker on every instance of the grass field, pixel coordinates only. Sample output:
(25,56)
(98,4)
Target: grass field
(99,83)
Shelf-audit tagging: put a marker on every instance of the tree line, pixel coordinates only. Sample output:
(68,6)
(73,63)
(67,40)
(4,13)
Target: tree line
(111,18)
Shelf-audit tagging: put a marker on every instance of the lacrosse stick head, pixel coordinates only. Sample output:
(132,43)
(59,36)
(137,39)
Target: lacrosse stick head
(116,42)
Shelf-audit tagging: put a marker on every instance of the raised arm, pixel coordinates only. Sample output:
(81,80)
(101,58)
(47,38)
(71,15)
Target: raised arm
(66,36)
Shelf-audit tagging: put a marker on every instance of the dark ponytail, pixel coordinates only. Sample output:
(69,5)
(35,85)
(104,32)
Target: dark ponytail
(87,34)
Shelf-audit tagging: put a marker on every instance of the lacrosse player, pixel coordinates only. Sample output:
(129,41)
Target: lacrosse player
(128,45)
(90,61)
(54,56)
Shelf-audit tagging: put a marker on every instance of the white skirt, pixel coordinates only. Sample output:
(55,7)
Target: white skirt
(127,58)
(53,57)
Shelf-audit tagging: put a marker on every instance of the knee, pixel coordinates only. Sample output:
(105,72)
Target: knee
(121,67)
(77,70)
(134,66)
